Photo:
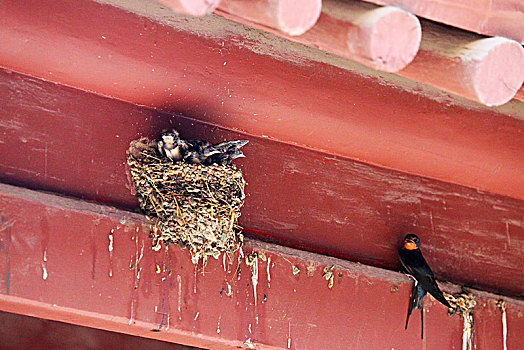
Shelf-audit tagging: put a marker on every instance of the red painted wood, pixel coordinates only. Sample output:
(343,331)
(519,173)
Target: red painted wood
(192,7)
(520,94)
(489,70)
(23,332)
(283,95)
(365,308)
(488,17)
(289,16)
(384,38)
(68,141)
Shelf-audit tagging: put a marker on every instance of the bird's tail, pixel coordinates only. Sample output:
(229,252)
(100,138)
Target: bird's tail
(416,301)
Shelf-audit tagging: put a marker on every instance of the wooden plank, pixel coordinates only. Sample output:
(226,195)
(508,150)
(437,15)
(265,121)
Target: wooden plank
(211,70)
(520,94)
(61,269)
(23,332)
(68,141)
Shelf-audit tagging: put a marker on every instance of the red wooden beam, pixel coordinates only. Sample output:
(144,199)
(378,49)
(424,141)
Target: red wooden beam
(23,332)
(520,94)
(289,16)
(211,70)
(57,264)
(72,142)
(489,17)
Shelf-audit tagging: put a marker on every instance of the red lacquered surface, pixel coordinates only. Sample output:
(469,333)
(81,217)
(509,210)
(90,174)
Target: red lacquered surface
(56,264)
(23,332)
(68,141)
(211,70)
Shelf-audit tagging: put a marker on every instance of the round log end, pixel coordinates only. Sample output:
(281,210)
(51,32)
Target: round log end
(192,7)
(500,71)
(295,17)
(394,38)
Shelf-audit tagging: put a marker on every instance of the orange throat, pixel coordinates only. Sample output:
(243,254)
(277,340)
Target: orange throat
(410,245)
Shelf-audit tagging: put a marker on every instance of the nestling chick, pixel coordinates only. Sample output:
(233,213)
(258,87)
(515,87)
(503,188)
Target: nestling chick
(198,151)
(173,147)
(227,152)
(169,145)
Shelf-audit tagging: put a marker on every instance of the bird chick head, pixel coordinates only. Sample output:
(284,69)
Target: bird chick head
(170,139)
(411,242)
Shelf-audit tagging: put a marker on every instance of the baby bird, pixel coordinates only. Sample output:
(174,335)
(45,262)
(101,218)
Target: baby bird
(198,151)
(169,145)
(227,152)
(173,147)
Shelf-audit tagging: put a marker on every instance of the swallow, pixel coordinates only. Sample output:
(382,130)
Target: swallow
(173,147)
(417,267)
(197,151)
(227,152)
(169,145)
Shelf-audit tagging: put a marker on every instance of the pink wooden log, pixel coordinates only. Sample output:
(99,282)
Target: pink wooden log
(191,7)
(384,38)
(293,17)
(489,17)
(489,71)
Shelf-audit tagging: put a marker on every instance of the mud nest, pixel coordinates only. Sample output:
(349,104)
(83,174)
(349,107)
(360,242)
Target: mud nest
(195,206)
(461,303)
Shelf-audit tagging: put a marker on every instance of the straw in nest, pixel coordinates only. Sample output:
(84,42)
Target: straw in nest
(195,206)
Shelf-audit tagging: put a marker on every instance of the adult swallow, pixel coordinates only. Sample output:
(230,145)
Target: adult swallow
(416,266)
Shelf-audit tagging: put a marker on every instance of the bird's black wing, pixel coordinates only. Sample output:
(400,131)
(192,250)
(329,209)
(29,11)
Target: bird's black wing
(415,264)
(196,151)
(437,293)
(196,144)
(219,158)
(229,146)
